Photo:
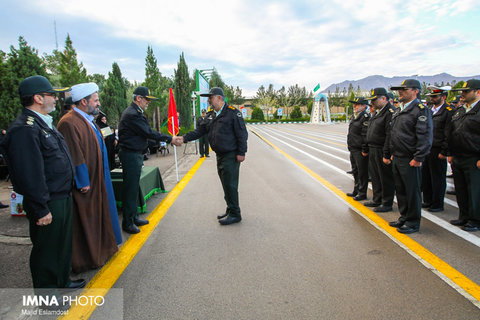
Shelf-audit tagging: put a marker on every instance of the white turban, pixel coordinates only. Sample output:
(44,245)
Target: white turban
(82,90)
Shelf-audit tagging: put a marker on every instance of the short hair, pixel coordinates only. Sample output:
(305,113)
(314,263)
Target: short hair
(27,101)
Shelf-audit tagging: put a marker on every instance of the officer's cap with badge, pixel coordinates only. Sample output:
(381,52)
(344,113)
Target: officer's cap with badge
(377,92)
(456,100)
(437,91)
(144,92)
(472,84)
(409,83)
(215,91)
(359,100)
(37,84)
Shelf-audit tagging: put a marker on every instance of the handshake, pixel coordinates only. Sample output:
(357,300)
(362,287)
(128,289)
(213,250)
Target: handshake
(177,140)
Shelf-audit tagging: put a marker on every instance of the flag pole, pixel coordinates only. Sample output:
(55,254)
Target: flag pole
(175,149)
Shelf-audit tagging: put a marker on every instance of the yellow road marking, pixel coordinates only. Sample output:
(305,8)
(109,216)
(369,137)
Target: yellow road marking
(109,274)
(438,264)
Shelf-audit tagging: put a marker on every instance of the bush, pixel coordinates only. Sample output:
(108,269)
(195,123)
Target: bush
(257,114)
(296,113)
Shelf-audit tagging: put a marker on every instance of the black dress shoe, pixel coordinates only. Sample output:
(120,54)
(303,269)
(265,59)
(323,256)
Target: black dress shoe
(382,209)
(229,220)
(371,204)
(408,229)
(140,222)
(435,209)
(76,284)
(426,205)
(470,228)
(352,194)
(459,222)
(350,172)
(396,224)
(132,229)
(222,216)
(3,206)
(359,198)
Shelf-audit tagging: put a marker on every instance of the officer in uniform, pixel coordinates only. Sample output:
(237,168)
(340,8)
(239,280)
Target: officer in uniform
(133,132)
(378,137)
(357,145)
(464,146)
(434,170)
(411,140)
(203,140)
(42,171)
(457,102)
(227,135)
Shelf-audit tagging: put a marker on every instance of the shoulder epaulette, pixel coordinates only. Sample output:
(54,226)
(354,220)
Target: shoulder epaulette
(230,107)
(449,108)
(391,110)
(30,121)
(421,106)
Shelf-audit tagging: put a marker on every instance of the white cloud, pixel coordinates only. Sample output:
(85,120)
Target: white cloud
(289,42)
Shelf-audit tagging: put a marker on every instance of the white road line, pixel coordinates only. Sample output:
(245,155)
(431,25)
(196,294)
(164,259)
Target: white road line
(425,214)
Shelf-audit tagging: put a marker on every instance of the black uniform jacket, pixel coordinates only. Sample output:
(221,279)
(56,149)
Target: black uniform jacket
(134,130)
(412,132)
(441,128)
(357,132)
(39,161)
(465,133)
(378,133)
(226,132)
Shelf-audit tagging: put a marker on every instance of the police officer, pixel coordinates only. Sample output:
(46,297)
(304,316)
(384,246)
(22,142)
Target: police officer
(465,149)
(357,145)
(411,140)
(227,135)
(133,132)
(378,137)
(203,140)
(434,170)
(42,171)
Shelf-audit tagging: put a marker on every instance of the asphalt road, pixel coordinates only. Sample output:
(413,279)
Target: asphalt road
(301,251)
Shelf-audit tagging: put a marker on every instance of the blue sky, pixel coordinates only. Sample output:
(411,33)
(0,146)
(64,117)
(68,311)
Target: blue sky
(255,42)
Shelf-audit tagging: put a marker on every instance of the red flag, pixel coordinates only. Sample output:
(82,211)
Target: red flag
(172,116)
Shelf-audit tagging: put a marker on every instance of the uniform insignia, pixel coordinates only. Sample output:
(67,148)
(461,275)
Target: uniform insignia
(422,118)
(365,115)
(365,123)
(30,120)
(392,111)
(230,107)
(239,115)
(449,109)
(421,106)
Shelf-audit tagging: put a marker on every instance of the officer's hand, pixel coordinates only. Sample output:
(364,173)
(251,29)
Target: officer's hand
(441,156)
(364,154)
(177,141)
(84,189)
(415,163)
(387,161)
(240,158)
(46,220)
(450,159)
(478,164)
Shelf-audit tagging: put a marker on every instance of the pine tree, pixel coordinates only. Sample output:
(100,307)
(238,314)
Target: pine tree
(14,67)
(158,85)
(71,72)
(113,96)
(182,93)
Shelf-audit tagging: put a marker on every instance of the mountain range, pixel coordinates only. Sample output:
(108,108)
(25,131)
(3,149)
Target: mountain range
(370,82)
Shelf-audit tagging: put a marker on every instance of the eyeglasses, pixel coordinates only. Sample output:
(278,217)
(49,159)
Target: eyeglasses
(48,94)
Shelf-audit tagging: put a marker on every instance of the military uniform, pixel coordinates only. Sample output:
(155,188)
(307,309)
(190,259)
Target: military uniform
(411,138)
(133,132)
(464,146)
(203,140)
(357,143)
(227,135)
(378,137)
(434,170)
(42,171)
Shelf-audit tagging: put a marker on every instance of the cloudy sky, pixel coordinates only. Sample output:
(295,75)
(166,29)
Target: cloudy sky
(255,42)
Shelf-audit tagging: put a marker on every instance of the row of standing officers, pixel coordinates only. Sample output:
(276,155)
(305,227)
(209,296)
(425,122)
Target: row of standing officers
(404,150)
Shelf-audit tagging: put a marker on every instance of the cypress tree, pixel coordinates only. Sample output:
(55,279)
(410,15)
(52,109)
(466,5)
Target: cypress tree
(113,96)
(182,93)
(71,72)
